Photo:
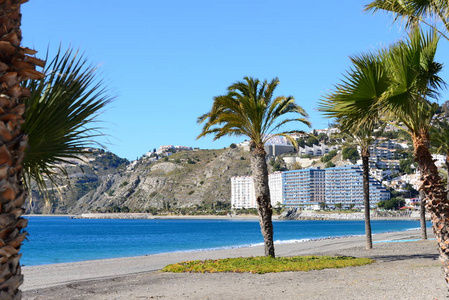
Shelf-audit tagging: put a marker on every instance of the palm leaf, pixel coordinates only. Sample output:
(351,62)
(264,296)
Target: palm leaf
(250,110)
(413,12)
(60,117)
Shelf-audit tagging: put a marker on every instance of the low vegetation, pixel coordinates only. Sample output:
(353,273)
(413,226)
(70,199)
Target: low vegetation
(262,265)
(391,204)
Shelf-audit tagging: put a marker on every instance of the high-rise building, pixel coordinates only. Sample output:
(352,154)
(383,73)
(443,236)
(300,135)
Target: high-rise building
(305,187)
(345,185)
(242,192)
(243,195)
(310,187)
(276,190)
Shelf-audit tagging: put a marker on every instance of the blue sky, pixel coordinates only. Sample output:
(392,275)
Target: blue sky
(166,60)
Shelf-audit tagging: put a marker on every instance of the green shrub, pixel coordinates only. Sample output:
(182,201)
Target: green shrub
(264,264)
(391,204)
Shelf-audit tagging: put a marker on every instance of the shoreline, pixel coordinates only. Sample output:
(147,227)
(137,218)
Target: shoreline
(396,235)
(277,243)
(147,216)
(228,246)
(405,265)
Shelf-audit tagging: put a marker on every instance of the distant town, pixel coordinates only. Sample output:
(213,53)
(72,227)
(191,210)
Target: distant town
(325,171)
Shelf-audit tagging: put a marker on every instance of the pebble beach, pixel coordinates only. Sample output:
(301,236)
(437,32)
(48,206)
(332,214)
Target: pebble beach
(405,268)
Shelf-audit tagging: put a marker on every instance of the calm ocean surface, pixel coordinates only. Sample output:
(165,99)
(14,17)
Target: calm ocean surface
(61,239)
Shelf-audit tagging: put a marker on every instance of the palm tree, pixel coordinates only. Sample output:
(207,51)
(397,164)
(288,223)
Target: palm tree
(60,112)
(412,80)
(16,66)
(439,134)
(363,138)
(422,214)
(248,109)
(359,92)
(413,12)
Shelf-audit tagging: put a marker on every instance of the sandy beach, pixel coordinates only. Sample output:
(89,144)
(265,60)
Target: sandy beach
(404,269)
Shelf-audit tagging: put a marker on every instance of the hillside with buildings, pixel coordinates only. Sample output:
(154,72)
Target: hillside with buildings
(324,172)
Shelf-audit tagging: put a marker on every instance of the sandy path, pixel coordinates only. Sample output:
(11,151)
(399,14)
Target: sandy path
(403,270)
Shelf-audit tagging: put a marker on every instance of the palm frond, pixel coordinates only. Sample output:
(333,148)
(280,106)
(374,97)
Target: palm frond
(60,116)
(355,101)
(249,109)
(413,12)
(413,76)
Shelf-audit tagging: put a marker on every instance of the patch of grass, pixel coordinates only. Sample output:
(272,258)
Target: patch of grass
(263,264)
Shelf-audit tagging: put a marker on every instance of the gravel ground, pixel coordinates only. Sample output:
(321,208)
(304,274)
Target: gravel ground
(403,269)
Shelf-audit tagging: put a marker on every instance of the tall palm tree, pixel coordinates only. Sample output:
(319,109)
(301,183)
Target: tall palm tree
(359,92)
(248,109)
(439,135)
(362,135)
(16,66)
(412,81)
(430,12)
(422,214)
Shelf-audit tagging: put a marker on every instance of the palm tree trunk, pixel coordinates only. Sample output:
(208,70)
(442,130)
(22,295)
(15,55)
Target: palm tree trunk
(365,166)
(15,67)
(447,169)
(422,215)
(260,177)
(437,203)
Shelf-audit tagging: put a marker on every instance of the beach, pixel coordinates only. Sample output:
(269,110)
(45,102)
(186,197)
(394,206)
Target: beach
(404,269)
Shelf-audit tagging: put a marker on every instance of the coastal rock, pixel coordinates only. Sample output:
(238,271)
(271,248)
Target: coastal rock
(184,179)
(296,214)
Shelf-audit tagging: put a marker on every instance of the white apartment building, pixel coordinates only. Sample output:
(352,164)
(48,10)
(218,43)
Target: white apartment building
(278,145)
(275,146)
(310,187)
(243,194)
(383,149)
(382,153)
(379,174)
(305,187)
(345,185)
(392,164)
(317,150)
(327,131)
(165,148)
(275,184)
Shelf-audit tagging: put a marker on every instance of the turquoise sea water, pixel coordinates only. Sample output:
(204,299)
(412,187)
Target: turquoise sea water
(61,239)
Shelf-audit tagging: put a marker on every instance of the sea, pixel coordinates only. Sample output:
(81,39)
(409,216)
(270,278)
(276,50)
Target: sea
(54,240)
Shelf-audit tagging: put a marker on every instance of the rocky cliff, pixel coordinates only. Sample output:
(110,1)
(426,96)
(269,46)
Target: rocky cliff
(184,179)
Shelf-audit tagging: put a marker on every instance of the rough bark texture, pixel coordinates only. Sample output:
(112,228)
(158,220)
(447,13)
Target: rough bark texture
(260,176)
(365,166)
(15,67)
(422,214)
(447,169)
(437,203)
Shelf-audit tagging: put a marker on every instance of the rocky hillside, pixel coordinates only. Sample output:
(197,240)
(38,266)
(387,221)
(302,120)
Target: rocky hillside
(184,179)
(82,177)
